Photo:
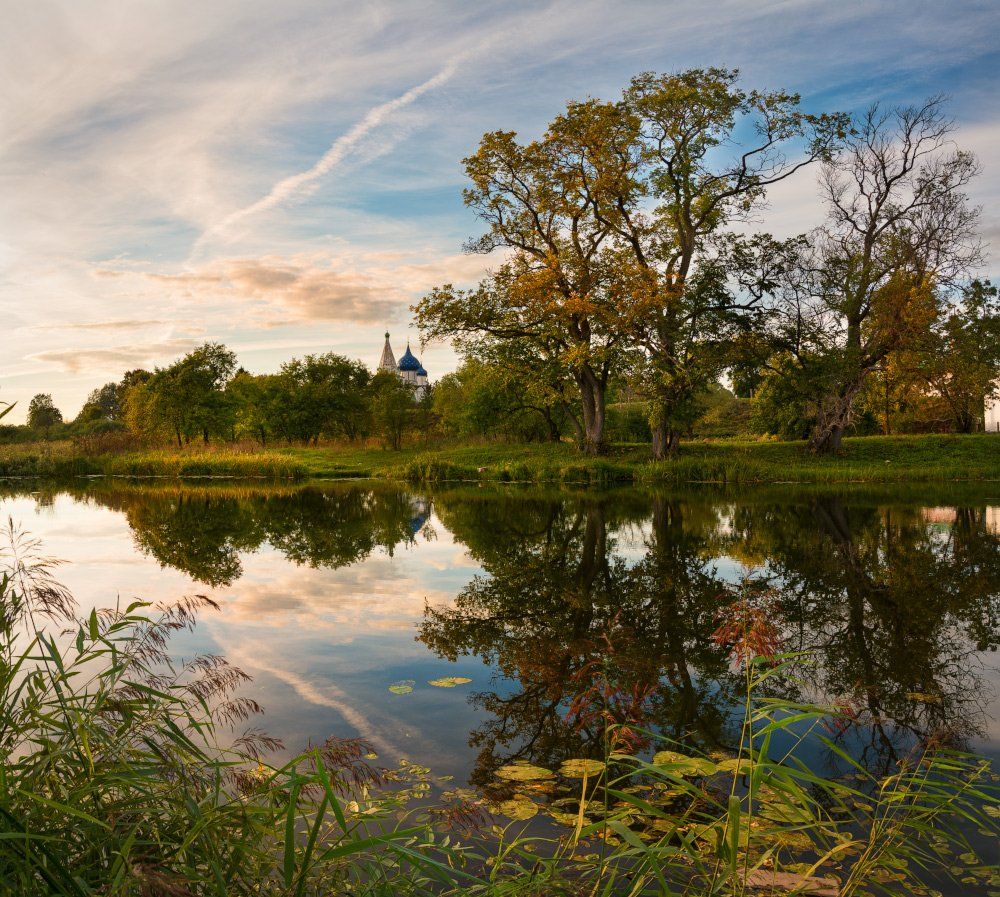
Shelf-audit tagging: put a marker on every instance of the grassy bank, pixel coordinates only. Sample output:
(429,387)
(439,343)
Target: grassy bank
(876,459)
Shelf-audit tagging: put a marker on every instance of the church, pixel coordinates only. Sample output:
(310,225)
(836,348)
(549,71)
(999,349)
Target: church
(408,369)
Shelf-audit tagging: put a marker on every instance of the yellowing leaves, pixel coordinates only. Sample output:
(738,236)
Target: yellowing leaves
(577,769)
(524,772)
(449,681)
(519,808)
(684,765)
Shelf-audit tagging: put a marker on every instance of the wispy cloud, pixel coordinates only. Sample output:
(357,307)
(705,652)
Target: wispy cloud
(114,360)
(287,187)
(133,324)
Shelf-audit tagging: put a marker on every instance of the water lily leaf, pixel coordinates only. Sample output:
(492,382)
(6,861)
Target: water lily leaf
(924,697)
(684,765)
(519,808)
(523,772)
(567,818)
(403,687)
(577,769)
(449,681)
(741,765)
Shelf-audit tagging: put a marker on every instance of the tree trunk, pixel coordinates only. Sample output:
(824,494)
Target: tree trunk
(833,418)
(577,428)
(554,434)
(665,437)
(592,396)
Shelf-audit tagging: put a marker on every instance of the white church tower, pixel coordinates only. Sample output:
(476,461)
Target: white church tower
(408,369)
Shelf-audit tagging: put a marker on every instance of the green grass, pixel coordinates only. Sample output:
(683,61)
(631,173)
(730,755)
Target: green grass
(873,459)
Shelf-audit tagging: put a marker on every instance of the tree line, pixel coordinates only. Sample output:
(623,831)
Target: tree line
(205,396)
(630,263)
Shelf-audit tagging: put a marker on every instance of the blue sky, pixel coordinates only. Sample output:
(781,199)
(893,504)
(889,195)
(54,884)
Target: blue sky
(286,176)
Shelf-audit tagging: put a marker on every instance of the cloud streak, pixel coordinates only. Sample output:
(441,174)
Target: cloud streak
(76,360)
(287,187)
(365,288)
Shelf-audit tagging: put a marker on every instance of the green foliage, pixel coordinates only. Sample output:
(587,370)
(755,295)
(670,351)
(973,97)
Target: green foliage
(392,408)
(959,357)
(320,395)
(43,414)
(186,399)
(492,399)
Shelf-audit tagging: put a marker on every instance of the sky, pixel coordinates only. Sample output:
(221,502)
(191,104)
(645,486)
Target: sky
(285,177)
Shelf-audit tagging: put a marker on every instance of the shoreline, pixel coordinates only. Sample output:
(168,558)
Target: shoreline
(873,459)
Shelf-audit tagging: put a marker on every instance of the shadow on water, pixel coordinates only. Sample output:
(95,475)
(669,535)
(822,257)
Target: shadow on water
(891,595)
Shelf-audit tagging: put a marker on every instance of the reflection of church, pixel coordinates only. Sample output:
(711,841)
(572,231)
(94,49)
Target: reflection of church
(409,369)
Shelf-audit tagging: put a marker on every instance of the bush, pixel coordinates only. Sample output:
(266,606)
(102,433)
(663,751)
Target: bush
(628,422)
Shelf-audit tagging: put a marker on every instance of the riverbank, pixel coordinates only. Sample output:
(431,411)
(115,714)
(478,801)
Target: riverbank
(874,459)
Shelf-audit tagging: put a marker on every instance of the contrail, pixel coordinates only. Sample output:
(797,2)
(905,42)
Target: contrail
(327,695)
(287,187)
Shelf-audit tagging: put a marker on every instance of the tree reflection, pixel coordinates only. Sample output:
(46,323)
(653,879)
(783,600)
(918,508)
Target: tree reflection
(204,531)
(890,607)
(895,606)
(892,602)
(563,591)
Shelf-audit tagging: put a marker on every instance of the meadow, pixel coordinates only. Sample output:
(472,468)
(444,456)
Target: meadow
(870,459)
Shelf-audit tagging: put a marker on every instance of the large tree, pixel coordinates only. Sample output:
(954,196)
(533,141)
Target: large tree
(615,224)
(708,150)
(556,292)
(900,236)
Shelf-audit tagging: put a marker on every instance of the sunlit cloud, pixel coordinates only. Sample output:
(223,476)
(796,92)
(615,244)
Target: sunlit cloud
(113,361)
(374,287)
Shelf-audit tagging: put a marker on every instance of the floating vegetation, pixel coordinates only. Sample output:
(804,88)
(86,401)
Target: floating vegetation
(524,772)
(449,681)
(402,687)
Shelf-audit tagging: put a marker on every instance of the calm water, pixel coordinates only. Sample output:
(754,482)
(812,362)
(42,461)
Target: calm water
(331,593)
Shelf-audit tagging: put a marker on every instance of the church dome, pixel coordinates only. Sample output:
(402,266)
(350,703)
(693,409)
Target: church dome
(421,372)
(408,362)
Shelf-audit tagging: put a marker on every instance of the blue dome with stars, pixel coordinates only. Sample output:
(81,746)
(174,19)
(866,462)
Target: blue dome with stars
(409,362)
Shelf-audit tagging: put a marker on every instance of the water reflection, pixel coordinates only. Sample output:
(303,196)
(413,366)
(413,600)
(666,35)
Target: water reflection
(202,532)
(893,597)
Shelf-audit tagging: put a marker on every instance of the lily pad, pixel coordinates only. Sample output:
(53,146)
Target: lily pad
(684,765)
(567,818)
(403,687)
(577,769)
(924,697)
(519,808)
(449,681)
(524,772)
(740,765)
